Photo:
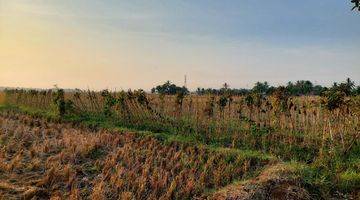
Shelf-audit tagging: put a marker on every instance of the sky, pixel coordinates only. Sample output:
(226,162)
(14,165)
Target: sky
(112,44)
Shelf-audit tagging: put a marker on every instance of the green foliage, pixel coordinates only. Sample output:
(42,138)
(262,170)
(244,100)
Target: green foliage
(298,88)
(59,101)
(69,106)
(302,88)
(356,4)
(233,91)
(356,90)
(350,179)
(110,101)
(334,99)
(170,89)
(223,102)
(249,100)
(346,87)
(262,88)
(141,97)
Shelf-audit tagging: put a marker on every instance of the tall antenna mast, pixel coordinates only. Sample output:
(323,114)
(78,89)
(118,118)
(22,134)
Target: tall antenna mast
(185,81)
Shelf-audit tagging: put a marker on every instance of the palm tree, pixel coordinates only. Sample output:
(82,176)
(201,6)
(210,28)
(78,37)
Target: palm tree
(356,4)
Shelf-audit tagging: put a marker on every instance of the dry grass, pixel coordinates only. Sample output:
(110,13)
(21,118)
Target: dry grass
(125,166)
(44,160)
(276,182)
(2,97)
(305,123)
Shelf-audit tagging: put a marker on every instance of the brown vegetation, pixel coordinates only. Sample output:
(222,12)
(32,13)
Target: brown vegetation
(41,160)
(321,132)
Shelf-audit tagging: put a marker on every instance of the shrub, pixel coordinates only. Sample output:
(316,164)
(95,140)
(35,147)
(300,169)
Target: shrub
(110,101)
(334,99)
(210,107)
(222,102)
(281,96)
(59,101)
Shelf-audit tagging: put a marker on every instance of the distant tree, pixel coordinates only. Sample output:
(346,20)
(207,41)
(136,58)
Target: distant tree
(169,88)
(356,4)
(350,85)
(200,91)
(291,88)
(241,91)
(356,90)
(334,99)
(318,90)
(305,87)
(346,87)
(261,88)
(225,89)
(302,87)
(298,88)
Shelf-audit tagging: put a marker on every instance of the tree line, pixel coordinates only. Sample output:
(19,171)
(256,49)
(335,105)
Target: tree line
(298,88)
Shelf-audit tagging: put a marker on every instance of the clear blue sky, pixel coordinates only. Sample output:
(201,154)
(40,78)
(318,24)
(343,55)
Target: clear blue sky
(141,43)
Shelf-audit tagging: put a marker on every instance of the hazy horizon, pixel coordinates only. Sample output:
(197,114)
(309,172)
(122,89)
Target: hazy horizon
(140,44)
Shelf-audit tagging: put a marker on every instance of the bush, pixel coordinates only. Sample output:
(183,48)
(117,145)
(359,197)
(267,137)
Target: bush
(60,103)
(334,99)
(110,101)
(281,96)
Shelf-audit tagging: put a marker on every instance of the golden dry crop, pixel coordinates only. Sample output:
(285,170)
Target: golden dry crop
(196,147)
(40,159)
